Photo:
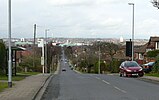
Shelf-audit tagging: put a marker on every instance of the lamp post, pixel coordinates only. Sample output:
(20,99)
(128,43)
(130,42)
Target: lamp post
(132,4)
(9,46)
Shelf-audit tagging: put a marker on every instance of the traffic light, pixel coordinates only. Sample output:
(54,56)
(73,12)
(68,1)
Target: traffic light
(129,48)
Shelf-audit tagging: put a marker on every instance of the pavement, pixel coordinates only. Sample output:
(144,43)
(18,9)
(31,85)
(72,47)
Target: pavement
(30,88)
(25,89)
(150,78)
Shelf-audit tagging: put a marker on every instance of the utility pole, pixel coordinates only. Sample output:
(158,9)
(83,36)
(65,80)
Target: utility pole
(99,61)
(42,58)
(34,46)
(9,46)
(46,49)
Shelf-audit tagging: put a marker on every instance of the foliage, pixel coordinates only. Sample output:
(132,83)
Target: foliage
(19,76)
(152,53)
(3,85)
(155,3)
(115,66)
(53,55)
(153,74)
(27,62)
(14,78)
(155,68)
(86,58)
(96,67)
(2,57)
(28,73)
(110,49)
(68,51)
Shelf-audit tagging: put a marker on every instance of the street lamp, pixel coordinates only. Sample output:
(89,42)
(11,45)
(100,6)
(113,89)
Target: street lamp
(132,30)
(9,46)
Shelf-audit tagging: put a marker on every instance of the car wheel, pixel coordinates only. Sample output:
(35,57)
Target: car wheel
(141,75)
(120,75)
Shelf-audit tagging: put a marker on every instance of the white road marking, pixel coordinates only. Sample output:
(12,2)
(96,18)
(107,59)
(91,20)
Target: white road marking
(97,78)
(106,82)
(77,72)
(119,89)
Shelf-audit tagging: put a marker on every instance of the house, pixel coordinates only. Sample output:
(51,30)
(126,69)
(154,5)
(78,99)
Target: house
(141,52)
(153,44)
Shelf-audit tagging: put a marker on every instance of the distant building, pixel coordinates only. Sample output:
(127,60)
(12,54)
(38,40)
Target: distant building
(22,40)
(121,39)
(24,44)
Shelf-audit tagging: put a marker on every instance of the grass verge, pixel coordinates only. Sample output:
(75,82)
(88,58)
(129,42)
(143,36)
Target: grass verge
(153,74)
(3,85)
(20,76)
(28,73)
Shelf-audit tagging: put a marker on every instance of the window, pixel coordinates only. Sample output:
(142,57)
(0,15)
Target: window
(157,45)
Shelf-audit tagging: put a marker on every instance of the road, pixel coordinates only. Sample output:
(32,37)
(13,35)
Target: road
(71,85)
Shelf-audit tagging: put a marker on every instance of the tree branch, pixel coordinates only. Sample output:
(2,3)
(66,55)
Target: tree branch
(155,3)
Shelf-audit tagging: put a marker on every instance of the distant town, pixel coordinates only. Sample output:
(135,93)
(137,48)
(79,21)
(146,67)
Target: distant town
(71,41)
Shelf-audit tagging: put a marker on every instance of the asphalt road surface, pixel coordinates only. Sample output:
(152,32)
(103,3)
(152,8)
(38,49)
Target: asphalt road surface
(71,85)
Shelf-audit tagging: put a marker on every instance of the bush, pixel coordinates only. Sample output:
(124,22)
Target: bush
(152,53)
(27,64)
(155,68)
(113,67)
(2,58)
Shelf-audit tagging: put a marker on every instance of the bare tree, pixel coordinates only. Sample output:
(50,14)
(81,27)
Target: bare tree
(155,3)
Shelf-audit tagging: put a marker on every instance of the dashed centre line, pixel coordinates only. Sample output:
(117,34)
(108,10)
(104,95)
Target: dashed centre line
(119,89)
(110,84)
(106,82)
(97,78)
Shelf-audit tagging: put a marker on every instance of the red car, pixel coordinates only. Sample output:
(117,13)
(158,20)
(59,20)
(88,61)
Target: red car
(130,68)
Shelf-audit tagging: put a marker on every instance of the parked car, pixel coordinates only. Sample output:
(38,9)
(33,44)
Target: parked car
(148,67)
(130,68)
(63,69)
(71,68)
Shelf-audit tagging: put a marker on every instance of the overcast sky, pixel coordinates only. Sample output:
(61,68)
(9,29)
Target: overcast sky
(80,18)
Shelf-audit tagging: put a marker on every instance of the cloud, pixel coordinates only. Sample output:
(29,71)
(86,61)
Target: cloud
(79,18)
(148,24)
(111,22)
(68,2)
(83,2)
(147,27)
(110,1)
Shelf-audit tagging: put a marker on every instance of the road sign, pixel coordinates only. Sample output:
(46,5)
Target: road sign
(42,60)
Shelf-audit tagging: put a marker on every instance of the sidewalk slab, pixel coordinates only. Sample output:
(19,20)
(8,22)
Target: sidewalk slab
(25,89)
(151,78)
